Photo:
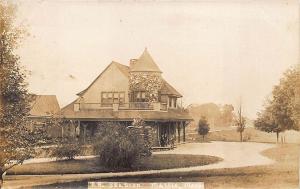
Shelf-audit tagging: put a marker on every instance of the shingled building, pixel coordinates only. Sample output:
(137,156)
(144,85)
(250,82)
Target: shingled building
(112,96)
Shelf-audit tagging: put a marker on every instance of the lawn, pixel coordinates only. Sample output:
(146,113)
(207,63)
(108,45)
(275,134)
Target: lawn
(282,174)
(155,162)
(249,135)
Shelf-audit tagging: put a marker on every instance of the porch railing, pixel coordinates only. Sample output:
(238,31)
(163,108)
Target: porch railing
(122,106)
(138,106)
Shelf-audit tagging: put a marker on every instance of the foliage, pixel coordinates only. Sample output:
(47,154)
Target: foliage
(17,140)
(151,83)
(140,129)
(203,127)
(120,146)
(227,115)
(266,122)
(216,115)
(283,103)
(67,147)
(282,110)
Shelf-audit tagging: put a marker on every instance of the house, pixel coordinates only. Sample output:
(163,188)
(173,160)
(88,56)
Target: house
(43,107)
(114,96)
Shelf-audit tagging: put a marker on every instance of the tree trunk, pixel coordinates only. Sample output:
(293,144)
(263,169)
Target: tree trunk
(241,136)
(1,180)
(277,135)
(203,137)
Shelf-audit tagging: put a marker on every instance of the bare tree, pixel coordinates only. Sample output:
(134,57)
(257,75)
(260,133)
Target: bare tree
(240,122)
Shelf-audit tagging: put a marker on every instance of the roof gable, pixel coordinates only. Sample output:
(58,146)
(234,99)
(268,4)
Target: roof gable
(169,90)
(144,63)
(124,69)
(44,105)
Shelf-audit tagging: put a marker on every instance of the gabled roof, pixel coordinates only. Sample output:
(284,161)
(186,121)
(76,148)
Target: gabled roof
(44,105)
(166,88)
(169,90)
(124,69)
(144,63)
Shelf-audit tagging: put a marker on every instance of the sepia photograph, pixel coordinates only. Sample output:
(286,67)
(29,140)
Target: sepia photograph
(149,94)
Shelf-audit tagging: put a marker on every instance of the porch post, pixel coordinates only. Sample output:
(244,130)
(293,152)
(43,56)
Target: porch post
(84,133)
(174,131)
(158,140)
(62,131)
(183,131)
(77,130)
(178,129)
(169,133)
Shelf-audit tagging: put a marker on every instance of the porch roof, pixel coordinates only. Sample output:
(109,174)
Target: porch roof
(108,114)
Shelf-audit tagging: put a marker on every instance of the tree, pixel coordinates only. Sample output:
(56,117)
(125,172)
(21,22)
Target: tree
(120,146)
(266,122)
(227,115)
(240,123)
(67,147)
(210,111)
(203,127)
(282,110)
(282,101)
(17,142)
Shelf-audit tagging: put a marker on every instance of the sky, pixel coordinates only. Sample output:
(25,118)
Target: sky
(210,51)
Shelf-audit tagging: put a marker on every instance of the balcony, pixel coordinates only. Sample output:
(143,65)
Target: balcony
(125,106)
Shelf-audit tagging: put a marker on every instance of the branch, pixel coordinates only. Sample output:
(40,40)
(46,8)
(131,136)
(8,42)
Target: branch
(11,166)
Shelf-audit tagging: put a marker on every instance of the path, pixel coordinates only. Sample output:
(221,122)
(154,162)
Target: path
(234,154)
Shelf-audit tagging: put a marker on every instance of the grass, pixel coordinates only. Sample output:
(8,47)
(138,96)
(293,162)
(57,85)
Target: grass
(249,135)
(282,174)
(155,162)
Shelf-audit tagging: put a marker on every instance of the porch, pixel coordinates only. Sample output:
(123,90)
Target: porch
(165,134)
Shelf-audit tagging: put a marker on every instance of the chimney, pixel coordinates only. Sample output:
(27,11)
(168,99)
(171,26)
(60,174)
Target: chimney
(132,62)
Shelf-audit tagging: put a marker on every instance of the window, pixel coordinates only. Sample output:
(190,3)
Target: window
(143,94)
(108,98)
(122,98)
(172,102)
(140,96)
(116,97)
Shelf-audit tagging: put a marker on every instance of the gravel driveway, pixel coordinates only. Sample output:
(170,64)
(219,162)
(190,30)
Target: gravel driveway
(234,154)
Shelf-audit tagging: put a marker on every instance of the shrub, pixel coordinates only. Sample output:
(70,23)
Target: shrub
(203,127)
(67,147)
(120,146)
